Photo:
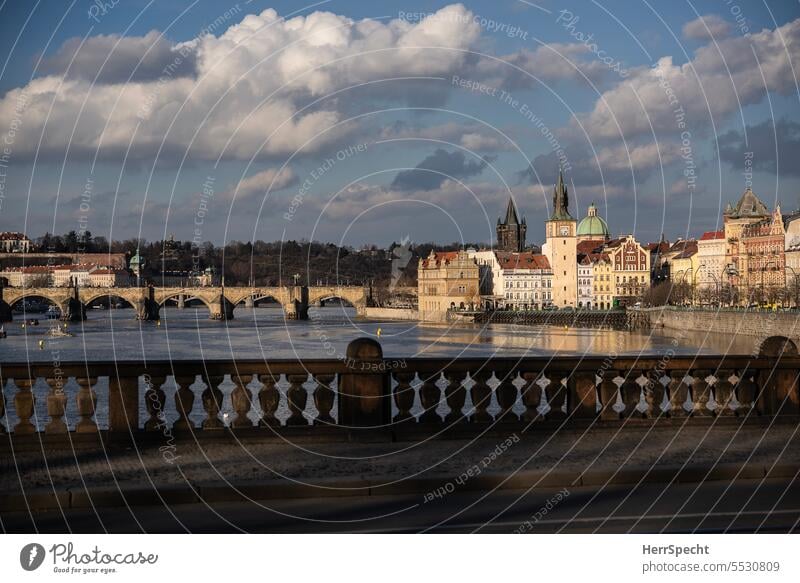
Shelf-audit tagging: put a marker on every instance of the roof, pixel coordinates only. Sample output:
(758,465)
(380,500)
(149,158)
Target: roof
(511,214)
(593,225)
(522,260)
(687,253)
(660,247)
(709,235)
(560,201)
(590,246)
(749,205)
(440,257)
(13,236)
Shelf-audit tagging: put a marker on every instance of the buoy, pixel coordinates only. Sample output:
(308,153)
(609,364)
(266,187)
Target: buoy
(379,332)
(158,322)
(565,327)
(23,325)
(41,344)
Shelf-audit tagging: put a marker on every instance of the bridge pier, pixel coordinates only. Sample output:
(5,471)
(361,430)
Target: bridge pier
(73,309)
(181,301)
(5,308)
(222,310)
(147,308)
(248,302)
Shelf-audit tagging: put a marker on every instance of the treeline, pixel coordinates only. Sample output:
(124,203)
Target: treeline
(262,263)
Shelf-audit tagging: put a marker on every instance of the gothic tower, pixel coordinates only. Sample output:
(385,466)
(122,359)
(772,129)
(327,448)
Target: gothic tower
(561,248)
(511,232)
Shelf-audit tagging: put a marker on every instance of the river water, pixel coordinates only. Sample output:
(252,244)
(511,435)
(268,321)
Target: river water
(262,333)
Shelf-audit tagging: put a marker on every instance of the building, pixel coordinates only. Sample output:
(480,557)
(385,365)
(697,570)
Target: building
(511,232)
(764,260)
(683,262)
(108,277)
(593,227)
(710,265)
(526,281)
(447,280)
(585,282)
(630,265)
(602,281)
(747,211)
(12,242)
(561,248)
(30,276)
(659,267)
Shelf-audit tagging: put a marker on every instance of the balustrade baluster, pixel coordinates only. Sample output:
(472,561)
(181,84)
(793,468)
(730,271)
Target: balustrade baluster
(746,392)
(184,401)
(481,395)
(531,396)
(155,400)
(56,406)
(653,396)
(608,395)
(556,395)
(324,396)
(241,399)
(456,395)
(700,394)
(506,397)
(678,391)
(269,397)
(87,400)
(631,393)
(403,396)
(298,397)
(429,396)
(212,398)
(723,393)
(24,403)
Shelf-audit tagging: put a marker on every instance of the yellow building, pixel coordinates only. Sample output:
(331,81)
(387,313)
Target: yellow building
(447,280)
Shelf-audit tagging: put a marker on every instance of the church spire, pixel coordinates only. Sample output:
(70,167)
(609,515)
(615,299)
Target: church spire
(560,200)
(511,213)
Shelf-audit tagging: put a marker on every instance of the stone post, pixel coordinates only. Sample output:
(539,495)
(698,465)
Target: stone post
(582,401)
(123,404)
(364,391)
(779,393)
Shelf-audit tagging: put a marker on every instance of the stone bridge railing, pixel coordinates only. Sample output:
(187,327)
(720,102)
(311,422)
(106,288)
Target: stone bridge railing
(364,394)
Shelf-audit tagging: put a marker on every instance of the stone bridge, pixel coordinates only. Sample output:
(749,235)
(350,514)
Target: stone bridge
(220,301)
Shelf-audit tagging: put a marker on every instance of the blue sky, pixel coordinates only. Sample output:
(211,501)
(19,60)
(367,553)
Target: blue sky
(358,122)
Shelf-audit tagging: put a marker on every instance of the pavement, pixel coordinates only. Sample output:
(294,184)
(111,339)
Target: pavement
(710,477)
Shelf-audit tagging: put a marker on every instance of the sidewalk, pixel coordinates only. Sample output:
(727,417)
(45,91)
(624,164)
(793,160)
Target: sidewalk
(570,457)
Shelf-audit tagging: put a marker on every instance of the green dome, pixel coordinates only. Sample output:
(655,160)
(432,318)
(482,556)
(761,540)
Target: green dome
(593,225)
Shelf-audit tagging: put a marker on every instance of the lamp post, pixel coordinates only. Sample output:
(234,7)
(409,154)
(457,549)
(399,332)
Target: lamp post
(796,287)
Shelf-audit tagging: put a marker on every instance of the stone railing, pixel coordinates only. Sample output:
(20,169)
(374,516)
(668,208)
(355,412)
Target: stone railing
(365,394)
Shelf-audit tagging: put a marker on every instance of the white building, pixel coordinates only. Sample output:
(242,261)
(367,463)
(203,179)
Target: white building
(585,282)
(515,281)
(31,276)
(106,277)
(711,249)
(11,242)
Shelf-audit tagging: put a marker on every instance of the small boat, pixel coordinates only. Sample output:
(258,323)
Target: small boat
(58,333)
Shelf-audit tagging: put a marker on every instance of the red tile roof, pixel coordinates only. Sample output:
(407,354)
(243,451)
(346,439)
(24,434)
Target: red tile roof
(522,260)
(708,235)
(589,246)
(441,257)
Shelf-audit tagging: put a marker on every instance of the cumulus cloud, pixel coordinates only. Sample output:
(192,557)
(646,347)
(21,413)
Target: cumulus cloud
(471,136)
(719,79)
(774,147)
(269,180)
(116,59)
(435,169)
(251,90)
(707,27)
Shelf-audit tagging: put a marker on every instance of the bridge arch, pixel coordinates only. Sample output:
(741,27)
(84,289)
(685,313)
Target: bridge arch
(89,300)
(57,300)
(187,296)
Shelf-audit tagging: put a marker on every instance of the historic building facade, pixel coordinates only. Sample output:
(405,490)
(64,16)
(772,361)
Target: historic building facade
(764,260)
(447,280)
(710,266)
(630,264)
(561,248)
(12,242)
(511,232)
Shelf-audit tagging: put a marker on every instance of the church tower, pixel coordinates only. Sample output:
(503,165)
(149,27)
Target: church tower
(561,248)
(511,232)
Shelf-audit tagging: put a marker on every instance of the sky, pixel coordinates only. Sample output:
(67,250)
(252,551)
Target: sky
(372,122)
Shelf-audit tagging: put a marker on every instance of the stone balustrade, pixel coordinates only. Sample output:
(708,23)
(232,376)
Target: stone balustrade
(364,393)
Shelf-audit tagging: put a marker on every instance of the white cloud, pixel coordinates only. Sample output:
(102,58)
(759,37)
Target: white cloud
(707,27)
(269,180)
(250,85)
(708,85)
